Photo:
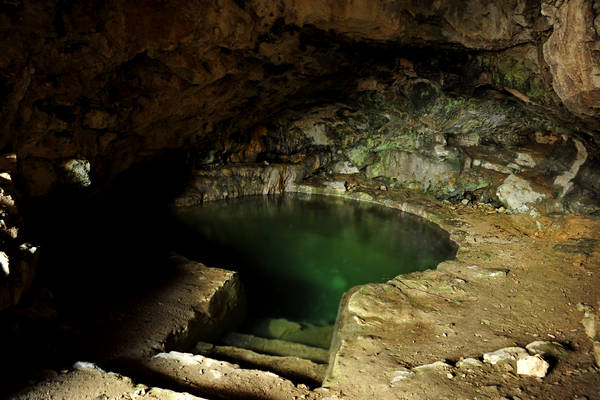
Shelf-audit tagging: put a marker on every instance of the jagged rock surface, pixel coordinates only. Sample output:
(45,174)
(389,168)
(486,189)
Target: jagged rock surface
(111,85)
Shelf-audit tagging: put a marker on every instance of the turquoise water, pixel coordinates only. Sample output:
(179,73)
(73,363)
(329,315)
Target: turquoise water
(298,254)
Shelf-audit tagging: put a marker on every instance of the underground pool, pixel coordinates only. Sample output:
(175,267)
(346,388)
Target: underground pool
(297,254)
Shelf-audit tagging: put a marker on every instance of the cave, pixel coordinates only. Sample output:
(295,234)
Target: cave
(124,121)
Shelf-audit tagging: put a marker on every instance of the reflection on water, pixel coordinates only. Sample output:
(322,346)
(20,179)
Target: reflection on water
(298,254)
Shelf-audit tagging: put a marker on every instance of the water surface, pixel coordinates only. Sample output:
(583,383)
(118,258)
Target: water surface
(297,254)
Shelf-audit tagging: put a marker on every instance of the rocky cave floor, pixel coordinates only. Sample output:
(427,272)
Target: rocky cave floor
(516,279)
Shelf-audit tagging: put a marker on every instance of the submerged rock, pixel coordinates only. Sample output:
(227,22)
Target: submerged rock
(276,347)
(281,328)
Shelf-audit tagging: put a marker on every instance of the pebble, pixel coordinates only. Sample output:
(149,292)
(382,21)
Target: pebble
(465,201)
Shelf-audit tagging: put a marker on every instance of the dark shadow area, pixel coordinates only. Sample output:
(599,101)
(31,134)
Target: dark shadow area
(99,254)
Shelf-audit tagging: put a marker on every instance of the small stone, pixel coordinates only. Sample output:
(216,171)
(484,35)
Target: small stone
(465,201)
(336,185)
(597,353)
(383,188)
(431,367)
(469,362)
(582,307)
(203,347)
(532,366)
(505,354)
(401,374)
(486,272)
(345,168)
(84,365)
(4,263)
(590,325)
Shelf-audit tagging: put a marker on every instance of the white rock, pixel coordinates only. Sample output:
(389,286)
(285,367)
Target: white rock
(505,354)
(83,365)
(545,348)
(336,185)
(28,247)
(525,160)
(468,363)
(516,193)
(532,366)
(433,366)
(77,172)
(477,271)
(4,263)
(345,168)
(400,375)
(496,167)
(183,358)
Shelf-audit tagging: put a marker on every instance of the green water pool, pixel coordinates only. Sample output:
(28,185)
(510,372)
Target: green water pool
(298,254)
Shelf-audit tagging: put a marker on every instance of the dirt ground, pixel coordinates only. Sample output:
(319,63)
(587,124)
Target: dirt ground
(516,279)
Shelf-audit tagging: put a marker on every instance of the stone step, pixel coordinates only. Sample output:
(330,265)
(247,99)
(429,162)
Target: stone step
(291,331)
(87,381)
(209,377)
(297,369)
(276,347)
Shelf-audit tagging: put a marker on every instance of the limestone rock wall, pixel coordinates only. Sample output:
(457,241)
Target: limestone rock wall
(401,131)
(115,83)
(573,53)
